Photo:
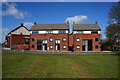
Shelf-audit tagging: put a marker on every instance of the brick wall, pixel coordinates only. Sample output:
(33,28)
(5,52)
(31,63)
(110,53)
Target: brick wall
(46,37)
(14,40)
(86,37)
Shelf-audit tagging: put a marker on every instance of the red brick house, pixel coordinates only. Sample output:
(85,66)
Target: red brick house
(18,38)
(56,37)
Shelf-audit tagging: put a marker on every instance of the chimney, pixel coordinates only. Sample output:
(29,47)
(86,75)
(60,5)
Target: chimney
(21,24)
(34,23)
(73,22)
(67,22)
(96,22)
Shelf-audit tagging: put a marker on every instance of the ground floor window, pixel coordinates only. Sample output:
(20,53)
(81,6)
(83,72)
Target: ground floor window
(96,46)
(33,46)
(64,46)
(78,46)
(27,40)
(51,46)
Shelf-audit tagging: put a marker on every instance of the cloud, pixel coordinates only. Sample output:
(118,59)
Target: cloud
(11,9)
(3,33)
(28,24)
(76,19)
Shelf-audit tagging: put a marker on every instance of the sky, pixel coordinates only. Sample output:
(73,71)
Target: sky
(14,13)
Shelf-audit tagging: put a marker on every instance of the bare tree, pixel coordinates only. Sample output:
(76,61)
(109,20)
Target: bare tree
(113,30)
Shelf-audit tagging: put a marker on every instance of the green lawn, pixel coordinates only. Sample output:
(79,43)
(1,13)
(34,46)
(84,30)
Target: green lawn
(19,65)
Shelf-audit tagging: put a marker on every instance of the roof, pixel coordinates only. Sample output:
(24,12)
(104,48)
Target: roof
(86,27)
(17,29)
(38,27)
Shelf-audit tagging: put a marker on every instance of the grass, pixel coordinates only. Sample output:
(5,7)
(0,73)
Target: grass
(19,65)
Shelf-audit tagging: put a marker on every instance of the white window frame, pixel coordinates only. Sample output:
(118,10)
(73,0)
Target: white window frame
(79,32)
(51,39)
(49,32)
(64,46)
(57,41)
(78,47)
(51,46)
(77,39)
(45,41)
(64,39)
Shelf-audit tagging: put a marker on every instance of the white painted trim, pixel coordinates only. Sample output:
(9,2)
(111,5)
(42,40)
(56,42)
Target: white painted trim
(99,32)
(42,32)
(22,30)
(55,32)
(86,32)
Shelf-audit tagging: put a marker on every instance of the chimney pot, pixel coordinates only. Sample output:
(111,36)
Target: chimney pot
(21,24)
(34,23)
(67,22)
(74,22)
(96,22)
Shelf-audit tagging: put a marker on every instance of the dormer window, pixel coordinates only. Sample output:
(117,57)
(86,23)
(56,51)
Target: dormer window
(62,31)
(94,32)
(49,32)
(79,32)
(34,32)
(20,33)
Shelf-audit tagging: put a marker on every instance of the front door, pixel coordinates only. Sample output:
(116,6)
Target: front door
(57,45)
(44,45)
(39,44)
(87,45)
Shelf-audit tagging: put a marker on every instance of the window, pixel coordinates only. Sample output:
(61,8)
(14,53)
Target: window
(33,39)
(64,46)
(49,32)
(96,39)
(34,32)
(78,46)
(27,39)
(57,41)
(96,46)
(32,46)
(20,33)
(44,41)
(51,39)
(77,39)
(79,32)
(64,39)
(62,31)
(94,32)
(51,46)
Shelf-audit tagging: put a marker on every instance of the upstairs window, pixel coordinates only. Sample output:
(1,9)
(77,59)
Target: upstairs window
(49,32)
(34,32)
(62,31)
(57,41)
(79,32)
(96,39)
(51,39)
(94,32)
(44,41)
(33,39)
(27,40)
(77,39)
(64,39)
